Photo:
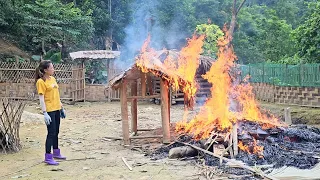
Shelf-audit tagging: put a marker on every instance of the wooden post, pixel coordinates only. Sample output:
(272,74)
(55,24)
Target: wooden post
(165,111)
(134,104)
(287,116)
(149,83)
(83,79)
(143,84)
(124,113)
(169,104)
(235,139)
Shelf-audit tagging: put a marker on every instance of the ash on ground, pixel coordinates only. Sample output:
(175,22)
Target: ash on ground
(297,146)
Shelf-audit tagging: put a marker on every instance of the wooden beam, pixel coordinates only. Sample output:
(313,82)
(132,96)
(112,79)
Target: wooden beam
(124,113)
(134,109)
(143,97)
(143,84)
(165,110)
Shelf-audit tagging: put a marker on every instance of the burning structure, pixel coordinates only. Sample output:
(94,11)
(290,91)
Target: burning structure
(230,121)
(231,124)
(176,71)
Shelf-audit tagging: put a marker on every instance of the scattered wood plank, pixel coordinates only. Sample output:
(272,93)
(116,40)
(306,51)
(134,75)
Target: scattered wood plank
(231,161)
(112,138)
(126,163)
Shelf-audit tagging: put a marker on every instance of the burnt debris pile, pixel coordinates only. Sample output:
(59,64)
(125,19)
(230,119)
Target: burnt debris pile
(296,146)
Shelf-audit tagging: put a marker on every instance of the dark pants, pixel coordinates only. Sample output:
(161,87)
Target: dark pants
(53,131)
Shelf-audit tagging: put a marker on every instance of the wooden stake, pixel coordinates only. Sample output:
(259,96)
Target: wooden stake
(124,113)
(230,144)
(126,163)
(235,139)
(143,84)
(165,111)
(239,163)
(134,109)
(287,116)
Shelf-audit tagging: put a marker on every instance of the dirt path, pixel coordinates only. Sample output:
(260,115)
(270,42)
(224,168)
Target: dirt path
(81,137)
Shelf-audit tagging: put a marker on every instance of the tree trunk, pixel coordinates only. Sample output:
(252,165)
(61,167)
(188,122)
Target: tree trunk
(64,53)
(235,12)
(232,25)
(42,48)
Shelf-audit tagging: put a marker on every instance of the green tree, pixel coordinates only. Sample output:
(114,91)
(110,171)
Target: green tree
(212,33)
(308,35)
(11,17)
(262,36)
(49,22)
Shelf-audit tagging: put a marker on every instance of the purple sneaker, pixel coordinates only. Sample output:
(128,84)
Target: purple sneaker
(49,159)
(57,155)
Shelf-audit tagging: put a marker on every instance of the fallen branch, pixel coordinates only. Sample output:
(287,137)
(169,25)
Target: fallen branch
(112,138)
(80,159)
(126,163)
(230,160)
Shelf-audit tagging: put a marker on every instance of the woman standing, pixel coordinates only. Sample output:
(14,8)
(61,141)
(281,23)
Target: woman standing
(48,91)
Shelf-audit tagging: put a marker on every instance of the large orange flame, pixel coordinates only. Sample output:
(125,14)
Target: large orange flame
(185,68)
(230,101)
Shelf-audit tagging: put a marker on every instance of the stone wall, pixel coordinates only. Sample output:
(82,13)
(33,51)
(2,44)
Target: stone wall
(303,96)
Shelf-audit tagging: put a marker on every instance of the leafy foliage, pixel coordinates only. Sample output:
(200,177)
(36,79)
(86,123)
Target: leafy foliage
(263,36)
(51,21)
(282,31)
(308,35)
(212,33)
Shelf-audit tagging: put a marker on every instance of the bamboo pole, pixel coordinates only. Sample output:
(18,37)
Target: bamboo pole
(165,111)
(134,111)
(124,113)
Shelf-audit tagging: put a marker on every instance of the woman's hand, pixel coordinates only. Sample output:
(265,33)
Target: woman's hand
(63,113)
(47,118)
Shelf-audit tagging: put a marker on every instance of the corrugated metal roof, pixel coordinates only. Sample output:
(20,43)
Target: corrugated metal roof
(96,54)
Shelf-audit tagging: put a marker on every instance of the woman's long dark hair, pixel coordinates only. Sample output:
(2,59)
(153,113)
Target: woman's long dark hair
(40,69)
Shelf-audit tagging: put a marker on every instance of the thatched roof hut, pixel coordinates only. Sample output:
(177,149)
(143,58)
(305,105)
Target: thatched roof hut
(156,64)
(129,78)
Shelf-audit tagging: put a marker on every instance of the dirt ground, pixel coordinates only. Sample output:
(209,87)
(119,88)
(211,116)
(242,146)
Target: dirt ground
(82,137)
